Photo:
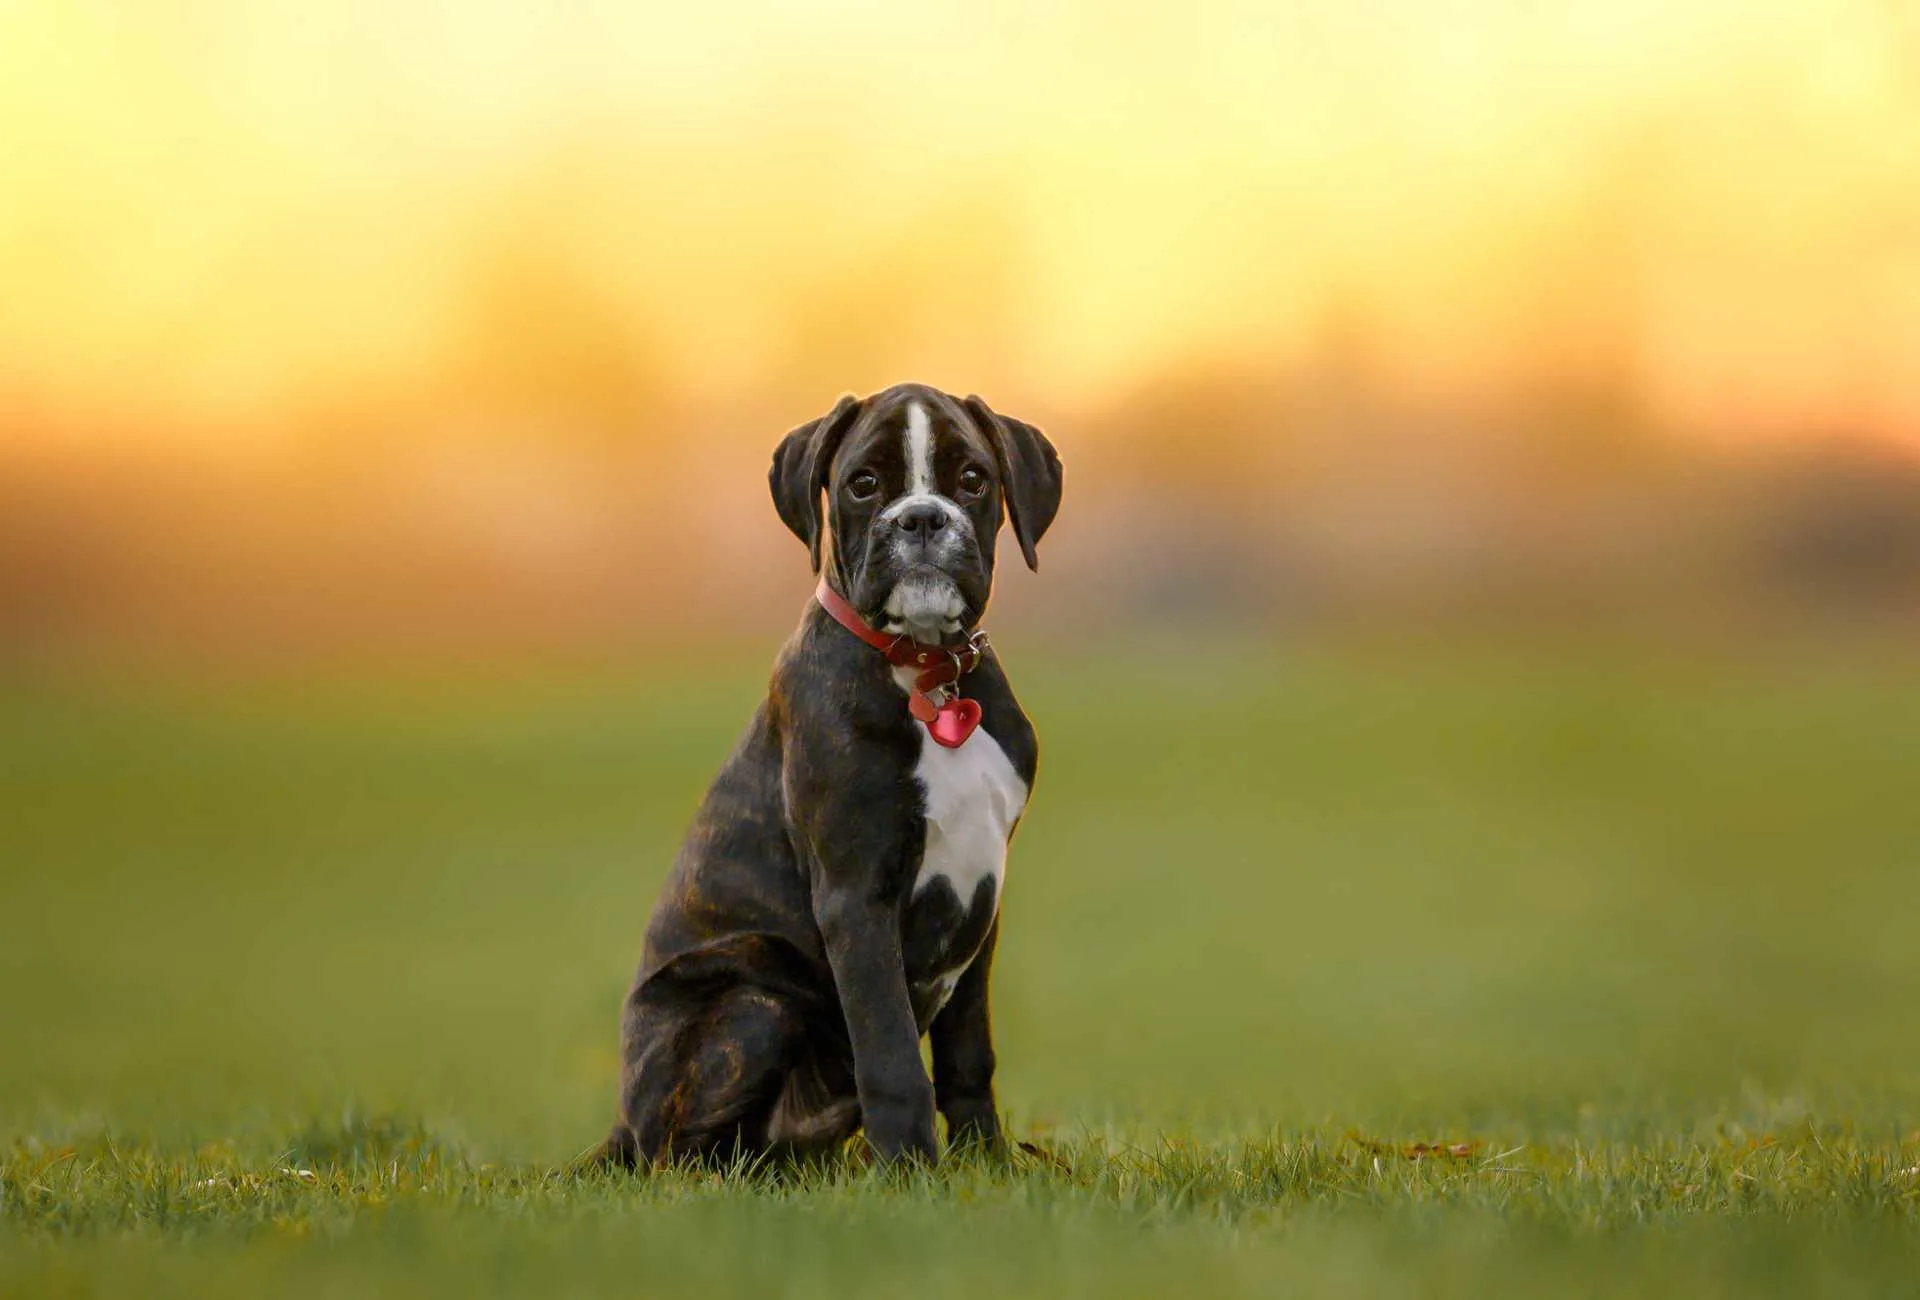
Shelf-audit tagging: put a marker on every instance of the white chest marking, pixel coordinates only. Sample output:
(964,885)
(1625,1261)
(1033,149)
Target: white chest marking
(973,799)
(919,451)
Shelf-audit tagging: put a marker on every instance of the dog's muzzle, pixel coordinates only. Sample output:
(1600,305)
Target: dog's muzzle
(927,529)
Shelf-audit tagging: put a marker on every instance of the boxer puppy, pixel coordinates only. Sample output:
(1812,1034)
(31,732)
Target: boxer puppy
(838,895)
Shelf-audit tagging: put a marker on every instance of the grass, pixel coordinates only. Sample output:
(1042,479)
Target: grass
(311,991)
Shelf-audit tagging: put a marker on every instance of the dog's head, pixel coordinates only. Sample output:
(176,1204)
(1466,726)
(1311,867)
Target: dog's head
(916,483)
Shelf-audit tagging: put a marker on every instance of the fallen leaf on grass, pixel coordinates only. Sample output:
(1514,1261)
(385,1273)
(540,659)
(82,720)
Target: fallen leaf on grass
(1418,1150)
(1041,1153)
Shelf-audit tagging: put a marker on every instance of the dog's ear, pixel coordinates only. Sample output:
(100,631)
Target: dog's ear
(1029,475)
(799,473)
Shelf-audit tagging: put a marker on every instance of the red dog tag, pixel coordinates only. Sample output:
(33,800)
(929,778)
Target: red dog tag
(955,722)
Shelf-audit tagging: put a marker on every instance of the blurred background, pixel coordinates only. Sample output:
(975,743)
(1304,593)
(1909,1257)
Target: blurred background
(389,328)
(1493,444)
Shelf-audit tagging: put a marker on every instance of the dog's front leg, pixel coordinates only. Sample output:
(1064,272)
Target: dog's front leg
(963,1061)
(863,947)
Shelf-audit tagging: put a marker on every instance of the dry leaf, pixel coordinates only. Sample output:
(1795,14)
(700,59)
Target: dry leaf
(1041,1153)
(1419,1150)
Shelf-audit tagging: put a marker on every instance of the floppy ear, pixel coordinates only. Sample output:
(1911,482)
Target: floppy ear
(1029,475)
(799,473)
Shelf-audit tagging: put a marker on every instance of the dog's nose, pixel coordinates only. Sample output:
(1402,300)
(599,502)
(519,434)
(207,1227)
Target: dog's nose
(921,521)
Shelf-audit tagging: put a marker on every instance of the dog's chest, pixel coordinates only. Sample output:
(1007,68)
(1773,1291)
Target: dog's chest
(972,797)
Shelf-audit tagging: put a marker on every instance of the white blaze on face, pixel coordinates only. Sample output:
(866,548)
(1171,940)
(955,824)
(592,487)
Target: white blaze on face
(925,605)
(921,488)
(919,451)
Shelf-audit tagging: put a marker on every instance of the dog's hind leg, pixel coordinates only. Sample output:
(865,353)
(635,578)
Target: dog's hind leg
(702,1081)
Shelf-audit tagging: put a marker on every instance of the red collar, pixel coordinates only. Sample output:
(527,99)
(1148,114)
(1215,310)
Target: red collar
(951,722)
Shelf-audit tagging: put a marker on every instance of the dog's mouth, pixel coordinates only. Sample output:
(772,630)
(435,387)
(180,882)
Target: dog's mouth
(926,604)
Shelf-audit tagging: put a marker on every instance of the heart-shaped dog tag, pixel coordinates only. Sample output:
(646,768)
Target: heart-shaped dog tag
(955,722)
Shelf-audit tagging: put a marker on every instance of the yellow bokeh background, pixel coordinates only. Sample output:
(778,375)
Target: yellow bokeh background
(532,289)
(230,214)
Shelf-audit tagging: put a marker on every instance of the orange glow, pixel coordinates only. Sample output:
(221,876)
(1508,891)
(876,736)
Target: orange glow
(224,217)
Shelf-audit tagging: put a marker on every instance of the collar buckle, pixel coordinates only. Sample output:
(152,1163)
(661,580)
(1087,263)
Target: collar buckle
(966,658)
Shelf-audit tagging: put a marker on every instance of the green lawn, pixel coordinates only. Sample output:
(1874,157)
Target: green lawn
(309,991)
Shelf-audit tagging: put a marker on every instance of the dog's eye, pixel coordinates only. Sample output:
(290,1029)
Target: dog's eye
(863,486)
(973,481)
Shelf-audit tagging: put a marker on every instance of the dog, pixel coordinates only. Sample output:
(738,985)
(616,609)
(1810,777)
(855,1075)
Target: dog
(837,897)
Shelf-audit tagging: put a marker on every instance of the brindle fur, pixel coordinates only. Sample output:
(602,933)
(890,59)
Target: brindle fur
(774,1012)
